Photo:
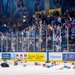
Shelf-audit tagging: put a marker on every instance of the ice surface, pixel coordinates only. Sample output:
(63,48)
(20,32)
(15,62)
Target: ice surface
(31,69)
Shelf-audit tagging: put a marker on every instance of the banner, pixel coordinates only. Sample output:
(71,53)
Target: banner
(4,8)
(19,8)
(51,11)
(69,56)
(38,5)
(6,56)
(20,55)
(12,56)
(36,13)
(36,57)
(55,56)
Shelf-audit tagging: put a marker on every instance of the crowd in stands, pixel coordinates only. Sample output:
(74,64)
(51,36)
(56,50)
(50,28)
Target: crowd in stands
(41,33)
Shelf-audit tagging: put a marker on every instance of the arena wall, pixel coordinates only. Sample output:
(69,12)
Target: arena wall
(38,57)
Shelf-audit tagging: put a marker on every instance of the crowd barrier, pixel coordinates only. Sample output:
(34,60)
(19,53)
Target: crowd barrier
(40,56)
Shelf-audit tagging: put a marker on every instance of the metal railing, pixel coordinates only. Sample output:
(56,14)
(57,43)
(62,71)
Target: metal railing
(56,41)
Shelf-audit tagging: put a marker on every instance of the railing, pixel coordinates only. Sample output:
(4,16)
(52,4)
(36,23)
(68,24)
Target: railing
(56,41)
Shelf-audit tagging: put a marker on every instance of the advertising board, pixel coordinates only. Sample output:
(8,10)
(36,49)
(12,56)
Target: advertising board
(6,56)
(55,56)
(36,57)
(69,56)
(20,55)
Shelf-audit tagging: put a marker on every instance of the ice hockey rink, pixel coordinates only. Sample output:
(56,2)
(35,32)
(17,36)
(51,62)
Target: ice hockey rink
(31,69)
